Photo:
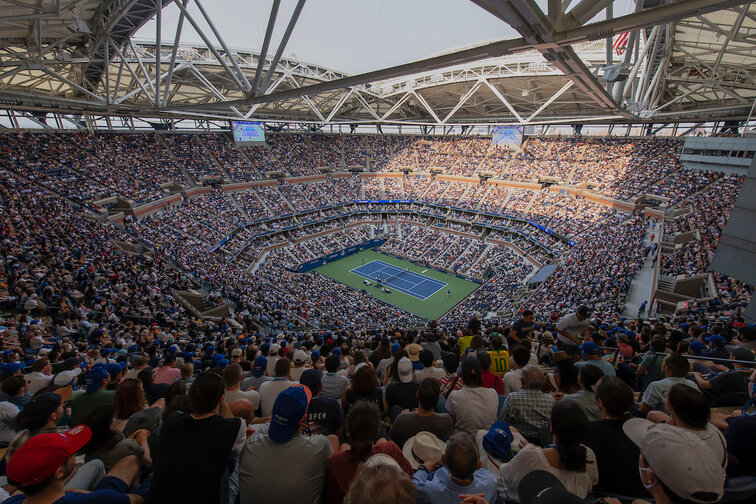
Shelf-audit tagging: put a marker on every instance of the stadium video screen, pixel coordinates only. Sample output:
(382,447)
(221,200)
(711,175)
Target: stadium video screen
(507,136)
(248,133)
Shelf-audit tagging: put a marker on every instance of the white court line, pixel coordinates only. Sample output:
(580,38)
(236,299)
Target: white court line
(400,289)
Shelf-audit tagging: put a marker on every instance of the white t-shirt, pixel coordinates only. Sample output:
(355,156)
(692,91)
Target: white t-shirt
(250,395)
(531,458)
(429,372)
(272,365)
(512,381)
(572,325)
(296,372)
(473,408)
(269,391)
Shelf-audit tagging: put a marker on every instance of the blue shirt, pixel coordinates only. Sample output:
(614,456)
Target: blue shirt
(437,487)
(604,366)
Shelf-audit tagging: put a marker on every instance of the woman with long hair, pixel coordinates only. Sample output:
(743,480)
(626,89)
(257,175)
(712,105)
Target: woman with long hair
(567,458)
(362,427)
(616,454)
(382,352)
(364,387)
(109,445)
(130,404)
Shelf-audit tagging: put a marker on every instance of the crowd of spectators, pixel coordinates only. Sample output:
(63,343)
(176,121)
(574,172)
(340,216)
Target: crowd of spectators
(95,403)
(709,212)
(109,385)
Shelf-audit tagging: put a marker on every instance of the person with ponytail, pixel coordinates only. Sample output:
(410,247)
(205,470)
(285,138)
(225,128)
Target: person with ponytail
(362,427)
(616,455)
(567,458)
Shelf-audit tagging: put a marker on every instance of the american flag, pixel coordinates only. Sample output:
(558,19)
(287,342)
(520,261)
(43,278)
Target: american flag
(620,43)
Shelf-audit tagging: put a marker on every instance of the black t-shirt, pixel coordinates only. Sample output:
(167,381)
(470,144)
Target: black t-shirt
(741,444)
(324,416)
(194,458)
(376,396)
(402,394)
(522,328)
(407,425)
(616,459)
(735,381)
(155,391)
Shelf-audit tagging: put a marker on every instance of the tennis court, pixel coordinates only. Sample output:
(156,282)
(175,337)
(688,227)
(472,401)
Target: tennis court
(424,291)
(413,284)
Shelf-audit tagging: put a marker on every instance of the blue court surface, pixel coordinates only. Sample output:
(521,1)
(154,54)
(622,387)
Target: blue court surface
(413,284)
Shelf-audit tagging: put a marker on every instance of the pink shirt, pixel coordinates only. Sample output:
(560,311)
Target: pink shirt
(166,374)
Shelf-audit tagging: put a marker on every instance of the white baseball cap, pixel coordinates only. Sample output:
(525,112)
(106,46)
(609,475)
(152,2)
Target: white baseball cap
(404,367)
(680,459)
(300,357)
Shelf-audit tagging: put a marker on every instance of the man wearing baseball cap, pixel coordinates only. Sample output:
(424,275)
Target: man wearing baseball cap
(729,388)
(402,394)
(41,466)
(96,394)
(300,359)
(283,455)
(40,416)
(259,366)
(592,357)
(675,464)
(717,344)
(572,328)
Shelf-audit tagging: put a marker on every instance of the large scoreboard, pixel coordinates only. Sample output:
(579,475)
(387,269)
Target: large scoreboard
(248,132)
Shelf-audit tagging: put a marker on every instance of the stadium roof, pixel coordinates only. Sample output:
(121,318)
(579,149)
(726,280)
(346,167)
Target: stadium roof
(689,61)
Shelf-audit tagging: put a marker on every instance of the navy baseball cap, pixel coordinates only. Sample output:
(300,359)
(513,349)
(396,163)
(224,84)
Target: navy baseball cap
(697,347)
(718,340)
(10,368)
(94,378)
(38,410)
(115,369)
(589,347)
(259,366)
(742,354)
(315,355)
(336,351)
(395,348)
(289,411)
(498,440)
(542,487)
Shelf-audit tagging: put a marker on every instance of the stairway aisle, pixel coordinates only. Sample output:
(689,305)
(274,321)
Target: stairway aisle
(642,288)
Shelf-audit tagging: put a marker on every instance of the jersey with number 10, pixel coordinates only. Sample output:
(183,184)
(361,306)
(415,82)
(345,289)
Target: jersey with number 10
(499,362)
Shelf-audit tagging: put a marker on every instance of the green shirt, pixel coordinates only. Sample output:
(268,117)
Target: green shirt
(84,403)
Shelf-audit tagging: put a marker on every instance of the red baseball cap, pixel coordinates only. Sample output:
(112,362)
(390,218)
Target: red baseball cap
(42,455)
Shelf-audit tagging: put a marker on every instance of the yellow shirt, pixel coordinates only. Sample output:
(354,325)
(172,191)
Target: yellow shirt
(462,343)
(499,362)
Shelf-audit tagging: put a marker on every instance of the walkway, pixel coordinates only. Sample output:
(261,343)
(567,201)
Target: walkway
(642,288)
